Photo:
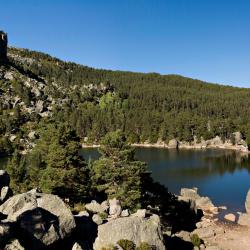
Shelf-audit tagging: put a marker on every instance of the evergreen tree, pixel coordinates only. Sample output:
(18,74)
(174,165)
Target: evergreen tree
(117,172)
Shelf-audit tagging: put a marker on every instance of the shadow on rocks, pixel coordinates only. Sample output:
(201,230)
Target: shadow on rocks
(175,243)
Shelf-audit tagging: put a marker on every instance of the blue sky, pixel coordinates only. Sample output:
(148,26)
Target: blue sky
(204,39)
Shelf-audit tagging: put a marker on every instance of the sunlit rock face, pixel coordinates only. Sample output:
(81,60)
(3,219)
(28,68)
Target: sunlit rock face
(3,47)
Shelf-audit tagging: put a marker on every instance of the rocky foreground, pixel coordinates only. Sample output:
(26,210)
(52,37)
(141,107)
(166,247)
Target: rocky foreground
(35,220)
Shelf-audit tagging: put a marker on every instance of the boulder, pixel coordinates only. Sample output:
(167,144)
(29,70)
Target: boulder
(173,143)
(247,203)
(189,193)
(207,232)
(4,179)
(6,231)
(205,204)
(141,213)
(184,235)
(105,206)
(131,228)
(97,219)
(125,213)
(115,208)
(42,218)
(6,193)
(244,219)
(77,246)
(230,217)
(14,245)
(94,207)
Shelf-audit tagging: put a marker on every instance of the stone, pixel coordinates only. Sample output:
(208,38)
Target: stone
(132,228)
(4,179)
(14,245)
(205,204)
(105,206)
(196,248)
(94,207)
(247,203)
(77,246)
(204,232)
(32,135)
(173,143)
(184,235)
(244,219)
(230,217)
(115,208)
(125,213)
(141,213)
(44,218)
(39,106)
(6,193)
(82,213)
(97,219)
(189,193)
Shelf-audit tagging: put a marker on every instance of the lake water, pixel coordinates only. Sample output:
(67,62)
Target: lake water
(223,175)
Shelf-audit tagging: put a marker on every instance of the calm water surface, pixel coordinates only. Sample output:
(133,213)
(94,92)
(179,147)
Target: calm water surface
(222,175)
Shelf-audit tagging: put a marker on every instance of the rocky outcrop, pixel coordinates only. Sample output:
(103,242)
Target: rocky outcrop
(131,228)
(42,218)
(204,203)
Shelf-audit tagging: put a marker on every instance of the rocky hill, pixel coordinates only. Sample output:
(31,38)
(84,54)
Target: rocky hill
(149,108)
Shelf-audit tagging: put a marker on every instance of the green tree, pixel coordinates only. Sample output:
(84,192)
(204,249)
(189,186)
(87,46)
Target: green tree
(117,172)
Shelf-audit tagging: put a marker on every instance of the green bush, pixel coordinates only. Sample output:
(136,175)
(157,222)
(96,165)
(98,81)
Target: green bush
(126,244)
(144,246)
(196,241)
(103,215)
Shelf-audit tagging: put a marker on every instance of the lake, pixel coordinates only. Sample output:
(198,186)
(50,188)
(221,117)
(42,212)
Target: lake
(223,175)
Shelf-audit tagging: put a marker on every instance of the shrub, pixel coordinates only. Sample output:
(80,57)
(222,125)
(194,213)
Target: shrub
(126,244)
(144,246)
(103,215)
(196,241)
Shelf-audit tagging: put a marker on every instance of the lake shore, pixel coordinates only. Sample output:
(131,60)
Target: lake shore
(185,146)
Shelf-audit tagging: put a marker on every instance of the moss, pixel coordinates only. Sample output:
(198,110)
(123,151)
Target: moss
(196,241)
(144,246)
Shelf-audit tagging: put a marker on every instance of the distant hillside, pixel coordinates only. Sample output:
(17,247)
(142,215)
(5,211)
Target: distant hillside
(147,107)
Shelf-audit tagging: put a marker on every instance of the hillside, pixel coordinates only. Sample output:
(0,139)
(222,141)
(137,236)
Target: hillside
(147,107)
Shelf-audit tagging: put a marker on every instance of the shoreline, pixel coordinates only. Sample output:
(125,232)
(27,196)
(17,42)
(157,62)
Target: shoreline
(181,146)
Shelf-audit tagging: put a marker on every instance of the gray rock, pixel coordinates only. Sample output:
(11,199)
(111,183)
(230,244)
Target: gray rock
(4,179)
(141,213)
(94,207)
(206,204)
(184,235)
(105,206)
(39,106)
(244,219)
(14,245)
(77,246)
(97,219)
(82,213)
(115,208)
(247,203)
(6,193)
(190,193)
(44,217)
(204,232)
(132,228)
(173,143)
(125,213)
